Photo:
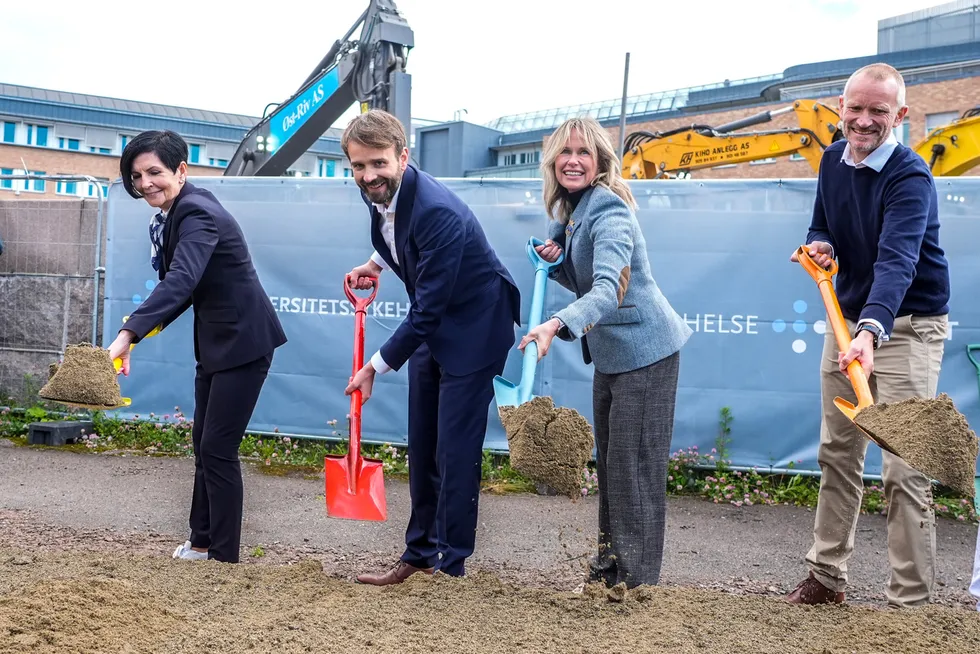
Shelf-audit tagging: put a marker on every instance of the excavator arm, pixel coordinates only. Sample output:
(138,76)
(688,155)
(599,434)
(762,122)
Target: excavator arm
(953,149)
(657,155)
(370,71)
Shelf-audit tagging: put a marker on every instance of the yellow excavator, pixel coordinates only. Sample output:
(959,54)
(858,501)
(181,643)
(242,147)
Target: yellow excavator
(672,153)
(953,149)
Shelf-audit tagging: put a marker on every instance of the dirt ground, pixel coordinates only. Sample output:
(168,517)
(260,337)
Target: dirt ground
(85,566)
(88,602)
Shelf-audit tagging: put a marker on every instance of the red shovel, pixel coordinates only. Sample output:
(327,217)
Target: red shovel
(356,485)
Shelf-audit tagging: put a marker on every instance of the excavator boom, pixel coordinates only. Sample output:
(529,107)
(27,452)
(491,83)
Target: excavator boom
(663,154)
(369,71)
(953,149)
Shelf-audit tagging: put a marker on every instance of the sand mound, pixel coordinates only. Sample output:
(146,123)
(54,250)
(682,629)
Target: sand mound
(86,376)
(84,603)
(930,435)
(548,445)
(83,615)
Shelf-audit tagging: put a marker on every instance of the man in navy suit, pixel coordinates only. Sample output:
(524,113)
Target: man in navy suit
(455,339)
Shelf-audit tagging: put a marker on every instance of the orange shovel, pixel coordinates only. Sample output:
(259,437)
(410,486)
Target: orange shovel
(355,485)
(859,381)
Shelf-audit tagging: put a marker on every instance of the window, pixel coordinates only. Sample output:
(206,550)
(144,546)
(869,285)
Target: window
(796,156)
(66,188)
(326,167)
(36,185)
(93,188)
(37,135)
(195,154)
(9,130)
(6,183)
(99,150)
(510,159)
(347,172)
(902,132)
(223,163)
(123,140)
(763,161)
(69,144)
(938,120)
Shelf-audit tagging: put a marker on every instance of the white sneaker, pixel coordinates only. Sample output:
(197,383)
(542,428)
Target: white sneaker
(185,552)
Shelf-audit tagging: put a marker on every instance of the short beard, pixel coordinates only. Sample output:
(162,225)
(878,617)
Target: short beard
(865,148)
(390,188)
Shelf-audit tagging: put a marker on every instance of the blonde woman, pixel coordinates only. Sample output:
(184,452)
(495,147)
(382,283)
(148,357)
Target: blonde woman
(628,331)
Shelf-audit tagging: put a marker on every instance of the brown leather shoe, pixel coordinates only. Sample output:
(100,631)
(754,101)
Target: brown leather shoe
(811,591)
(396,575)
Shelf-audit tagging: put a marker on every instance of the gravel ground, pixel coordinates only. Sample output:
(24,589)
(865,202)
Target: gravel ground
(65,516)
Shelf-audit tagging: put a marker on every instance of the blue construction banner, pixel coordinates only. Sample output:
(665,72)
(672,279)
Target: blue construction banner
(719,249)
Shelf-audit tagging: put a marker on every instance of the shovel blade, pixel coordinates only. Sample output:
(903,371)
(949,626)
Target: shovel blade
(505,393)
(358,498)
(851,412)
(93,407)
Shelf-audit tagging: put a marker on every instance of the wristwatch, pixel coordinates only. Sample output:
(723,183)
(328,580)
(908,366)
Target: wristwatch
(875,333)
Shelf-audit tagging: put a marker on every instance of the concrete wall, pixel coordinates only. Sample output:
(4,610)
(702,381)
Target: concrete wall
(46,286)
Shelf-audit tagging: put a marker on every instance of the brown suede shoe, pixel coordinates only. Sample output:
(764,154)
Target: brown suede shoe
(396,575)
(811,591)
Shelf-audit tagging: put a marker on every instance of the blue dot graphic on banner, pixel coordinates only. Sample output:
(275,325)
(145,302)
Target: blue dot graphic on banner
(150,284)
(799,345)
(136,298)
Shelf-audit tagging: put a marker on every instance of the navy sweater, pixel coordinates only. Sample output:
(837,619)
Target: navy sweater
(884,228)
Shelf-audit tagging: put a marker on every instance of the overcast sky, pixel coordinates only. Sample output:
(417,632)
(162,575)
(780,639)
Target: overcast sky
(491,58)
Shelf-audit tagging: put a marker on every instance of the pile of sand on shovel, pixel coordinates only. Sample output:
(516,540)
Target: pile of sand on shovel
(86,376)
(548,445)
(930,435)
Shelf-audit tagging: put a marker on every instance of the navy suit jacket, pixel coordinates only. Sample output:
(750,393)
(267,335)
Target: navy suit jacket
(206,264)
(464,303)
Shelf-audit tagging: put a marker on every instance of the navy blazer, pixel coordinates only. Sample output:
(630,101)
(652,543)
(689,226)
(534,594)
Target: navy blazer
(464,302)
(206,264)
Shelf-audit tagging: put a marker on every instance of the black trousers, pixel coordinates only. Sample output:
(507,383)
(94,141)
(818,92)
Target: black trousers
(223,405)
(447,424)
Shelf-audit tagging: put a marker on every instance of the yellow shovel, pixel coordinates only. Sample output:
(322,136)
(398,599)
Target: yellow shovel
(117,363)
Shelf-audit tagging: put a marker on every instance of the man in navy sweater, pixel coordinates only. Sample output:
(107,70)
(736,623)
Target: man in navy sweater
(876,213)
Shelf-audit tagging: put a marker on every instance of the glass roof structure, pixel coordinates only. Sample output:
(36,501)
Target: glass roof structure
(650,103)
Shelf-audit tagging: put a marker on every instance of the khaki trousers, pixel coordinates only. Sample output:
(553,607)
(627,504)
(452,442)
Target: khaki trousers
(907,365)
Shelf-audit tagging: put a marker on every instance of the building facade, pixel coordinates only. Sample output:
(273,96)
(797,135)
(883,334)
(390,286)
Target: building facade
(55,133)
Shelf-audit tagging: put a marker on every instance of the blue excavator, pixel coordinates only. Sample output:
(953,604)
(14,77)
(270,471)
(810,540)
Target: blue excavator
(369,70)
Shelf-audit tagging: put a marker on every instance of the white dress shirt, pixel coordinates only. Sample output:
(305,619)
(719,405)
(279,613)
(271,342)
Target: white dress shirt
(876,161)
(388,234)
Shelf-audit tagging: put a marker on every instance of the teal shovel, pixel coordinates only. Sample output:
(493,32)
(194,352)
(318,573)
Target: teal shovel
(507,393)
(969,353)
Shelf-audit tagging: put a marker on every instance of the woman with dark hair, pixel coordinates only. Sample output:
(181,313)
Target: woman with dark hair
(202,260)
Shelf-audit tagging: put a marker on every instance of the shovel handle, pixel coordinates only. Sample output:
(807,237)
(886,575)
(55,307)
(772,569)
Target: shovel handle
(969,353)
(855,372)
(818,273)
(117,363)
(537,260)
(360,303)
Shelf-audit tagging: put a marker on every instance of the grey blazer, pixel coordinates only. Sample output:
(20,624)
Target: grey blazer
(628,320)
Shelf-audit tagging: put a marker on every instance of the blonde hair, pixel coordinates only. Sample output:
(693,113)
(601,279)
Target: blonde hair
(880,72)
(608,168)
